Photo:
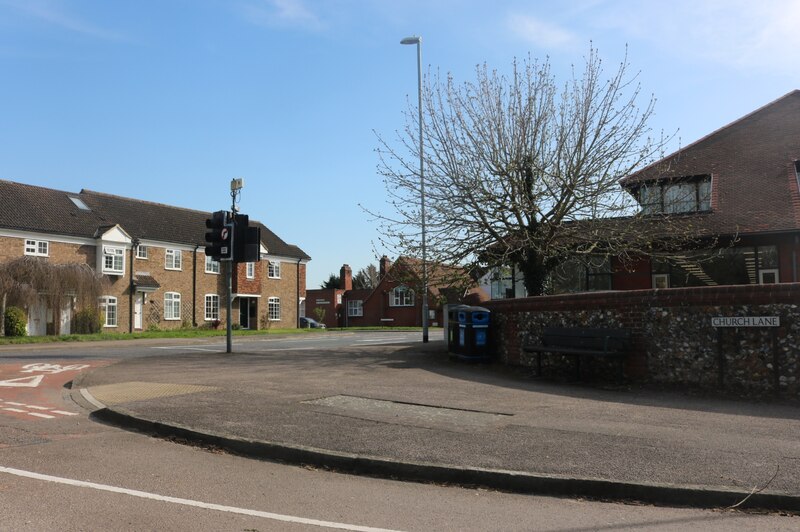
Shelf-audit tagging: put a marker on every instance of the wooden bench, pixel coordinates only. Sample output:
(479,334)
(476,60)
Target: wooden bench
(580,342)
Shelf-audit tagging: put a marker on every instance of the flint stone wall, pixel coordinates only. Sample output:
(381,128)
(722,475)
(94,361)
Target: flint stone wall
(673,340)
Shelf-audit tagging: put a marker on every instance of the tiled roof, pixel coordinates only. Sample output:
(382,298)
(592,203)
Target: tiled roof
(751,162)
(43,210)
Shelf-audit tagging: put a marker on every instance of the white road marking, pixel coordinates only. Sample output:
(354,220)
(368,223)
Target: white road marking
(214,350)
(26,382)
(189,502)
(48,409)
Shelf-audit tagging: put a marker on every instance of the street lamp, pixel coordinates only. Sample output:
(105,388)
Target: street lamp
(418,41)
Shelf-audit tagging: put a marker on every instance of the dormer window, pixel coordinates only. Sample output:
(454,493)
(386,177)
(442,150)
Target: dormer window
(676,196)
(113,260)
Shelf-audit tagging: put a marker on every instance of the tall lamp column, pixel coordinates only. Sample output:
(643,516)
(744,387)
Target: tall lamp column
(418,41)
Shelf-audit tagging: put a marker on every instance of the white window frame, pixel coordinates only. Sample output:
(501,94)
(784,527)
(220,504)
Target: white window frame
(116,255)
(110,310)
(211,307)
(274,308)
(768,271)
(659,277)
(172,306)
(250,270)
(212,266)
(141,252)
(401,296)
(274,269)
(355,308)
(37,248)
(173,259)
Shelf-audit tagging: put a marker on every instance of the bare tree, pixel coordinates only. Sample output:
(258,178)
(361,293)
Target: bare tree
(366,277)
(521,170)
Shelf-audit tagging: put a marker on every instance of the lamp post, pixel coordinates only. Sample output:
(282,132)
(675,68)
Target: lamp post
(418,41)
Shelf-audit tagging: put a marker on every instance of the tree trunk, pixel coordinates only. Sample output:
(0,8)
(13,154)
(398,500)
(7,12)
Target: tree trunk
(3,315)
(535,271)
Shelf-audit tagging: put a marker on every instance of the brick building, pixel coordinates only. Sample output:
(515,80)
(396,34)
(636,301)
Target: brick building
(152,257)
(738,187)
(395,302)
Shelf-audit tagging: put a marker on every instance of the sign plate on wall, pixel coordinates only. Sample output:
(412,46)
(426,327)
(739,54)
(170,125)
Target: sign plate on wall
(746,321)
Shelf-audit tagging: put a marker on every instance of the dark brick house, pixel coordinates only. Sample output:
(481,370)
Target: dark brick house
(737,188)
(395,302)
(152,256)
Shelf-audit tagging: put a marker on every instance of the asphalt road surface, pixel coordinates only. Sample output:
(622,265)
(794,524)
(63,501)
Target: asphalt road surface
(59,470)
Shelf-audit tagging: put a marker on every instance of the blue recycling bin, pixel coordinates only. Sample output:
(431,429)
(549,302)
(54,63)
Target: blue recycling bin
(473,333)
(453,328)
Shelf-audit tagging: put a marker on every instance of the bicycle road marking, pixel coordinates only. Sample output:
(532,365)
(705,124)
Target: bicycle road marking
(190,502)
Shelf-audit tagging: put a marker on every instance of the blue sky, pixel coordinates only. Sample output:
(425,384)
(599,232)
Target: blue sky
(167,100)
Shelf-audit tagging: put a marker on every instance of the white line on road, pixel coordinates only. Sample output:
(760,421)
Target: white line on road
(64,413)
(181,347)
(189,502)
(16,410)
(36,414)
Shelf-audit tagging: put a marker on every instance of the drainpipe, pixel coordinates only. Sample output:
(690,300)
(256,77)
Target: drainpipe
(194,286)
(794,258)
(298,293)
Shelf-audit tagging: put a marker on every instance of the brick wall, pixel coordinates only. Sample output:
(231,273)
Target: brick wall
(673,341)
(286,289)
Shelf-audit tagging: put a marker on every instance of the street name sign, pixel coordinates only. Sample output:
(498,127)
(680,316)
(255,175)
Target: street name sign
(746,321)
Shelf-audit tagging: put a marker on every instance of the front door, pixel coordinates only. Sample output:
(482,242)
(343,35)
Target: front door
(138,304)
(244,312)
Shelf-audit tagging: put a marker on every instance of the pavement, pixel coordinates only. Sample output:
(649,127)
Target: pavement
(412,413)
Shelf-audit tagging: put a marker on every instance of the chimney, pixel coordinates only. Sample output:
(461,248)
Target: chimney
(346,275)
(385,264)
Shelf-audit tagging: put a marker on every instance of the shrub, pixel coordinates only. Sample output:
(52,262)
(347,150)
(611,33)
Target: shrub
(88,321)
(14,322)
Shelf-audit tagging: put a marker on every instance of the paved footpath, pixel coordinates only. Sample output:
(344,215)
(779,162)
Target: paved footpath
(412,413)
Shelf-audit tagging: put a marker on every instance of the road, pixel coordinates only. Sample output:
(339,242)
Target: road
(59,470)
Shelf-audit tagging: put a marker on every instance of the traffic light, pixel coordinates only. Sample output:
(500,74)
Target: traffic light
(220,237)
(247,240)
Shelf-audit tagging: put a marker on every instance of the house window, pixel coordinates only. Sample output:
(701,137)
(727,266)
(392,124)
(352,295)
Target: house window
(401,297)
(673,197)
(37,248)
(212,266)
(212,307)
(251,270)
(274,270)
(113,260)
(109,306)
(660,280)
(172,306)
(355,308)
(141,252)
(598,274)
(768,272)
(173,259)
(274,308)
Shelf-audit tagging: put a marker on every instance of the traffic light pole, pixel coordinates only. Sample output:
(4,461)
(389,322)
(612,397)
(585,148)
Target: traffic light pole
(229,275)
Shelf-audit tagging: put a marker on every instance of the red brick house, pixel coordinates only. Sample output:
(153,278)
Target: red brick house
(739,186)
(152,256)
(395,302)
